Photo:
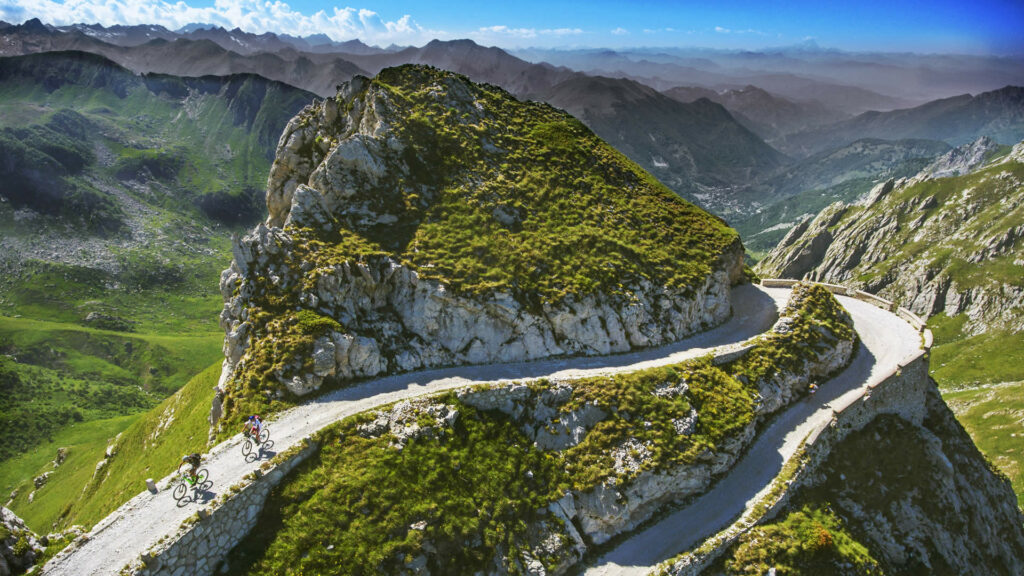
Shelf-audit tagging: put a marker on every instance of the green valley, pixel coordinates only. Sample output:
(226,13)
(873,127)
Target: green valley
(121,193)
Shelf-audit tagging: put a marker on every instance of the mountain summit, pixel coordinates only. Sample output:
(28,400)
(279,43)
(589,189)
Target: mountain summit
(418,219)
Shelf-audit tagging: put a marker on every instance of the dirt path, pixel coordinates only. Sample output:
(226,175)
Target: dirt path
(147,518)
(885,341)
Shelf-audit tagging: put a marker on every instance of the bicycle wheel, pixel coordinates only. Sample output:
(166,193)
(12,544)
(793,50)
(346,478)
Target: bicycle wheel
(246,447)
(202,476)
(264,435)
(179,490)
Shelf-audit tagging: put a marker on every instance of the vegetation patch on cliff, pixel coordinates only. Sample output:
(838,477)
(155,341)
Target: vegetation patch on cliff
(365,505)
(810,540)
(504,195)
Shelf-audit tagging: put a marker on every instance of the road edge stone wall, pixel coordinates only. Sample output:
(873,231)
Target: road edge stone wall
(901,393)
(201,545)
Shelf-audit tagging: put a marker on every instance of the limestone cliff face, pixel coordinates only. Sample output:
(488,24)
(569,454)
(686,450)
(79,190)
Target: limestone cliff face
(420,220)
(615,505)
(947,240)
(19,547)
(923,499)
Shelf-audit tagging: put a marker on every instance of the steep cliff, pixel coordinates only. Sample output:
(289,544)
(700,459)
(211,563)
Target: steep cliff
(945,241)
(418,219)
(898,499)
(947,244)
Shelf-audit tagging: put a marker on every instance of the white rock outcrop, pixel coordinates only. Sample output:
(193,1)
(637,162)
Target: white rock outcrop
(338,166)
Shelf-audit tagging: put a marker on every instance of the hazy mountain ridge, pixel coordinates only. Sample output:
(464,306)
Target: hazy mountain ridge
(769,116)
(696,148)
(849,81)
(998,114)
(694,162)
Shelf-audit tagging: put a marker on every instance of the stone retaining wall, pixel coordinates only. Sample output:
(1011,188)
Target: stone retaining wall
(200,546)
(913,319)
(901,393)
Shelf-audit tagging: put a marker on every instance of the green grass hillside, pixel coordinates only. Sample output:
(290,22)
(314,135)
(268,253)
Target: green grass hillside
(121,193)
(147,445)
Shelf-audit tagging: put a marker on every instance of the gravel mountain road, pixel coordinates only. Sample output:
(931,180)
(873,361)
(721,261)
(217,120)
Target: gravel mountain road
(886,340)
(146,519)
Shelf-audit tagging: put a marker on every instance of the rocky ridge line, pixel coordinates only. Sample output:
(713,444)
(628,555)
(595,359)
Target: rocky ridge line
(860,245)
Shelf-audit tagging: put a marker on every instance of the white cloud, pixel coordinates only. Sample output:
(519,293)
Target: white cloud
(505,31)
(620,31)
(722,30)
(562,32)
(250,15)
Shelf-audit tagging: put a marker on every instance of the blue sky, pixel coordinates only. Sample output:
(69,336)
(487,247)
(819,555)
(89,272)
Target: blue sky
(981,26)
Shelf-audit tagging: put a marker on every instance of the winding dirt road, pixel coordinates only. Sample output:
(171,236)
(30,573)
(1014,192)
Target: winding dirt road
(886,340)
(147,518)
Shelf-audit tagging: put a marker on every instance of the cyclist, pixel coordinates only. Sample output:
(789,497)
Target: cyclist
(192,461)
(253,426)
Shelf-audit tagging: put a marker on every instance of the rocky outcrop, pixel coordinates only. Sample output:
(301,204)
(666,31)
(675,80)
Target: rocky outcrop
(616,505)
(401,322)
(959,161)
(19,547)
(805,244)
(345,169)
(935,243)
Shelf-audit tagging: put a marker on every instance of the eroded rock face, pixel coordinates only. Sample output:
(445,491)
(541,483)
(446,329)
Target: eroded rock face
(19,550)
(418,323)
(343,165)
(915,242)
(615,506)
(951,516)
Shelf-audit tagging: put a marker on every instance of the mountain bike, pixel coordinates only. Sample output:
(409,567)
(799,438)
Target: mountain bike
(186,481)
(251,439)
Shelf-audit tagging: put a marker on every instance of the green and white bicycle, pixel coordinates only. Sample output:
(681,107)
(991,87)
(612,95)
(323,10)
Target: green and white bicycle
(186,481)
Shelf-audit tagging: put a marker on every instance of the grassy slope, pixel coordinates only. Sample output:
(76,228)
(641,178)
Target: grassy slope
(85,443)
(991,414)
(349,509)
(945,245)
(180,160)
(149,447)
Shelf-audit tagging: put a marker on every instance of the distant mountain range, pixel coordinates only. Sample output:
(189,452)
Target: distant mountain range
(768,115)
(850,82)
(719,133)
(668,137)
(696,148)
(998,114)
